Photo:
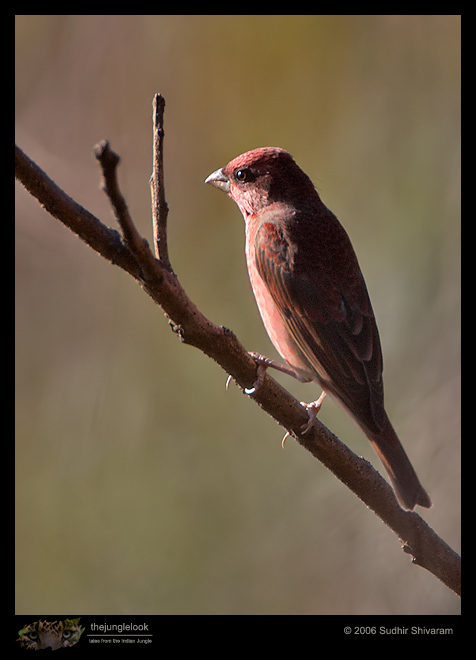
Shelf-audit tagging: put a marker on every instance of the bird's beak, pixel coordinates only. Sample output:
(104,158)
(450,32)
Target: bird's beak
(219,180)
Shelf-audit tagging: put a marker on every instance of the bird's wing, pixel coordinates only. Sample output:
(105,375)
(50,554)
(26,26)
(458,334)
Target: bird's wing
(326,308)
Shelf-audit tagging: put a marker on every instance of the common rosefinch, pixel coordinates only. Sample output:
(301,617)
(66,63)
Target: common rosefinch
(313,299)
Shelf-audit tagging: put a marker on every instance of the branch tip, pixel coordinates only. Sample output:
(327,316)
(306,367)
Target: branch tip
(160,208)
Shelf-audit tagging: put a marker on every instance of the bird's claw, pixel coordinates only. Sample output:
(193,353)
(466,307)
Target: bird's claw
(312,410)
(285,438)
(261,373)
(265,363)
(262,363)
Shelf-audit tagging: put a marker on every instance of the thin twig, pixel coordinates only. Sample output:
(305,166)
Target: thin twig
(160,208)
(109,160)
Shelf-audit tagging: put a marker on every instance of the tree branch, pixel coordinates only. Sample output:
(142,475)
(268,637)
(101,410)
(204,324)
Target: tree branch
(160,209)
(104,240)
(131,252)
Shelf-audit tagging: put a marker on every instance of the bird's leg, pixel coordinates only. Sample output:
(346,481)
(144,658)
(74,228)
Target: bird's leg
(264,363)
(312,410)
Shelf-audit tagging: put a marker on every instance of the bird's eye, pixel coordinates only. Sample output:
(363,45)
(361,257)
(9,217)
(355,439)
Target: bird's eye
(242,174)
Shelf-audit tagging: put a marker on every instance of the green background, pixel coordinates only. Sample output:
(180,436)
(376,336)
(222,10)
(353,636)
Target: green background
(143,487)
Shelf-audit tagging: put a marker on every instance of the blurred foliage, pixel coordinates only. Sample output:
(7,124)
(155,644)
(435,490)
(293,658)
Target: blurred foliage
(143,487)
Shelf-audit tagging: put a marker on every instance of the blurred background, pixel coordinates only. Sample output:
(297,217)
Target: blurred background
(143,486)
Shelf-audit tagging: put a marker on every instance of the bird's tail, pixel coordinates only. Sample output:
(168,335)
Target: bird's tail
(406,484)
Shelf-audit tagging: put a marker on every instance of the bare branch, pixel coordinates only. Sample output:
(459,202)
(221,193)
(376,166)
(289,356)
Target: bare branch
(160,209)
(109,161)
(104,240)
(132,253)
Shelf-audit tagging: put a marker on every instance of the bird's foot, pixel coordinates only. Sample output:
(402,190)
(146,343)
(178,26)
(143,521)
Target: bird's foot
(260,374)
(312,410)
(264,363)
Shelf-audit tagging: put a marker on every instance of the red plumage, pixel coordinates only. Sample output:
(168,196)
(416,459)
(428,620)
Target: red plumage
(313,299)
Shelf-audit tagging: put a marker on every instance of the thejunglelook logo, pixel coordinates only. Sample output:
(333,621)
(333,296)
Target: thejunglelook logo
(56,634)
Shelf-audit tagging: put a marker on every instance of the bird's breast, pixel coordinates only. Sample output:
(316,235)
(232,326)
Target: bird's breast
(272,319)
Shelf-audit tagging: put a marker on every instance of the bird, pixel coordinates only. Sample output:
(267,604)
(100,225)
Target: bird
(313,299)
